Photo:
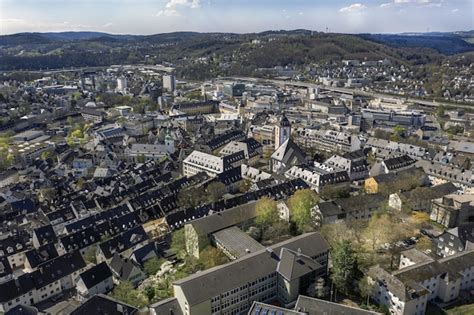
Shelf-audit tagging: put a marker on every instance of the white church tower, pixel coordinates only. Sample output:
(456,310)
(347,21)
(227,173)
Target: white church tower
(282,131)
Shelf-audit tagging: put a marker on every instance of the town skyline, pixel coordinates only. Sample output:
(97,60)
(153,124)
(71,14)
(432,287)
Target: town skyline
(145,17)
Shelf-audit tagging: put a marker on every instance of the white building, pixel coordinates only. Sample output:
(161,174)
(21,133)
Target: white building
(121,84)
(198,162)
(169,83)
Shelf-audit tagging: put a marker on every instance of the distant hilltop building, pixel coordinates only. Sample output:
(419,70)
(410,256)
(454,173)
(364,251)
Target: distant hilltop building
(121,84)
(169,83)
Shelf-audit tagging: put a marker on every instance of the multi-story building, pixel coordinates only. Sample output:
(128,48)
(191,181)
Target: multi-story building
(169,83)
(455,240)
(408,290)
(320,176)
(453,210)
(195,108)
(252,150)
(329,140)
(278,273)
(198,162)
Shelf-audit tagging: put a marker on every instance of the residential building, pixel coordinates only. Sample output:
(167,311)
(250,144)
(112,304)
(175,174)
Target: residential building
(453,210)
(95,280)
(455,240)
(408,290)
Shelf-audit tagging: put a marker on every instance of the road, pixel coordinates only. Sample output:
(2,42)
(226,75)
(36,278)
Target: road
(347,91)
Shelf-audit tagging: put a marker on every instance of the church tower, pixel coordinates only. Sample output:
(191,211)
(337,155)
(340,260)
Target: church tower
(282,131)
(169,142)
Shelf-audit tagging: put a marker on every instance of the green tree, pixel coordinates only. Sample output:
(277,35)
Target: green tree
(344,267)
(191,198)
(267,212)
(301,205)
(150,293)
(90,256)
(366,288)
(178,242)
(125,292)
(152,265)
(210,257)
(215,191)
(245,185)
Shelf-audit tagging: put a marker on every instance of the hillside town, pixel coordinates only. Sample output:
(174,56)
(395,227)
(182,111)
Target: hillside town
(130,190)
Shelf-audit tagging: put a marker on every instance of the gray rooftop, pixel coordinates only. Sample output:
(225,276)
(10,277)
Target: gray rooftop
(201,286)
(237,242)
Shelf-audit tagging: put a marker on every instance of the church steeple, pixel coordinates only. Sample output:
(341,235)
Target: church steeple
(282,131)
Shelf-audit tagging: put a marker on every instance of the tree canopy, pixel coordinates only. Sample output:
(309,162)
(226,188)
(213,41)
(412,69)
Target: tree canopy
(301,205)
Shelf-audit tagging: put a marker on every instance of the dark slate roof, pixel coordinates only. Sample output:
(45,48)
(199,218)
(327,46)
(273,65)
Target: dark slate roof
(399,162)
(179,218)
(45,234)
(464,232)
(5,268)
(41,255)
(168,306)
(14,288)
(231,176)
(148,249)
(253,146)
(123,241)
(96,275)
(104,305)
(225,138)
(22,310)
(14,244)
(123,267)
(57,268)
(24,206)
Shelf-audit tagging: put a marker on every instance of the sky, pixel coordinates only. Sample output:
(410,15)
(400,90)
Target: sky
(239,16)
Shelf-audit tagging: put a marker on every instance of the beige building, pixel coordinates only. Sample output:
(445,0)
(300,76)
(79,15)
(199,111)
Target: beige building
(276,274)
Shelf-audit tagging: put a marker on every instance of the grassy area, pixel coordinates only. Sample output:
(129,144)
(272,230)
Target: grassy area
(461,310)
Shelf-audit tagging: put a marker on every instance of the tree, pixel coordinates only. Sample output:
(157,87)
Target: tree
(376,231)
(366,288)
(245,185)
(320,287)
(90,256)
(344,267)
(210,257)
(152,265)
(301,205)
(178,243)
(267,212)
(191,198)
(215,191)
(125,292)
(150,293)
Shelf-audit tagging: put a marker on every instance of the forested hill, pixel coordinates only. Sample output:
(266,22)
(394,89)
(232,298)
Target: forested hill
(240,53)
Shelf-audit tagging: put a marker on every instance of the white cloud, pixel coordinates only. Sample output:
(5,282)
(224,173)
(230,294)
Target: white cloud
(107,25)
(356,7)
(425,3)
(183,3)
(168,12)
(455,10)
